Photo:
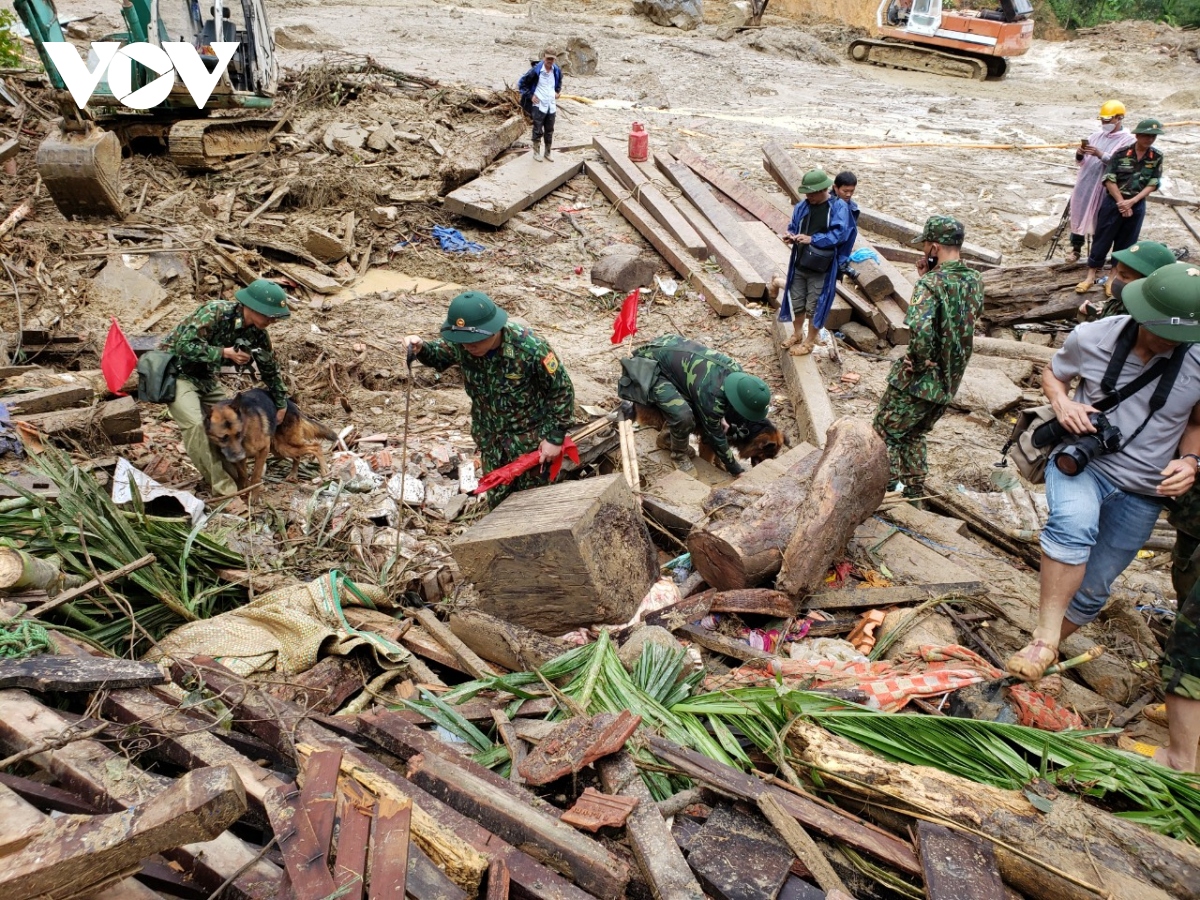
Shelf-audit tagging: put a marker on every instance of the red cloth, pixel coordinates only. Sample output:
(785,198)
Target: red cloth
(522,464)
(118,360)
(625,324)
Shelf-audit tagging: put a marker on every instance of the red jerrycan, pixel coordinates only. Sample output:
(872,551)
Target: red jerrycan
(639,143)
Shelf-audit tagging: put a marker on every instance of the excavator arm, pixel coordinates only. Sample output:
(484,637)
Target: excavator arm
(41,18)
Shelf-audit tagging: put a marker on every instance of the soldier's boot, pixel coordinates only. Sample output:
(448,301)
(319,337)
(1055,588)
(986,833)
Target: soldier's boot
(537,150)
(681,452)
(549,158)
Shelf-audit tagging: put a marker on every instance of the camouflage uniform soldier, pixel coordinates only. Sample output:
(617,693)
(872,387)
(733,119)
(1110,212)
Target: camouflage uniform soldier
(941,316)
(223,331)
(694,386)
(521,396)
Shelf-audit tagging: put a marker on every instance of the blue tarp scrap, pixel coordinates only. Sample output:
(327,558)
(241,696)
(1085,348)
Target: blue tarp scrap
(864,253)
(453,241)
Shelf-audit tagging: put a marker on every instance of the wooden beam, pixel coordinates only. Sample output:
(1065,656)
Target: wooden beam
(511,187)
(808,811)
(1013,349)
(69,674)
(465,656)
(778,163)
(741,274)
(356,811)
(718,297)
(899,230)
(864,310)
(746,195)
(898,330)
(318,794)
(389,849)
(1188,220)
(958,865)
(72,852)
(810,400)
(657,854)
(113,783)
(648,195)
(49,399)
(855,598)
(515,647)
(719,643)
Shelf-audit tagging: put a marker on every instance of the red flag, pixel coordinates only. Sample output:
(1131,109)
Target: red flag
(625,323)
(522,464)
(118,360)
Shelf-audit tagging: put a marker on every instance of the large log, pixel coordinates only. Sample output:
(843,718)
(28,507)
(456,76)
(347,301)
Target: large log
(1013,349)
(468,156)
(1010,291)
(517,648)
(899,230)
(113,417)
(557,557)
(741,543)
(847,486)
(1117,857)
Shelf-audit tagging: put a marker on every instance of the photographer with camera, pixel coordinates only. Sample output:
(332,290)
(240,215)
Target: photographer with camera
(1128,441)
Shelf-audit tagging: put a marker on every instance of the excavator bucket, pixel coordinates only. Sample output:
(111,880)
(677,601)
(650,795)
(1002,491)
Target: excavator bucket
(82,171)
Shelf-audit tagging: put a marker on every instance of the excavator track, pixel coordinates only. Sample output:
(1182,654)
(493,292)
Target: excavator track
(917,59)
(202,143)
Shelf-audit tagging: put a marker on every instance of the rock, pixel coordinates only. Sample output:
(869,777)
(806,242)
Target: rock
(381,138)
(344,137)
(122,289)
(860,337)
(737,16)
(171,269)
(1037,338)
(683,14)
(624,270)
(930,628)
(220,206)
(987,390)
(385,215)
(580,58)
(646,634)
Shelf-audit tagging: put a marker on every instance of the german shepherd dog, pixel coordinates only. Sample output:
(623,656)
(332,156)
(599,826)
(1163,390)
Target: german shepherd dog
(762,440)
(244,428)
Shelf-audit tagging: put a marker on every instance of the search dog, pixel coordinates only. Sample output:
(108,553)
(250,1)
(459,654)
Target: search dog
(243,429)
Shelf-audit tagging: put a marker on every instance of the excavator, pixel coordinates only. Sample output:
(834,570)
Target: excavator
(79,162)
(921,36)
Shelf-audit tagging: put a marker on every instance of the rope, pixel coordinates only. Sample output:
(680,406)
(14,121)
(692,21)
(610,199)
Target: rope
(22,638)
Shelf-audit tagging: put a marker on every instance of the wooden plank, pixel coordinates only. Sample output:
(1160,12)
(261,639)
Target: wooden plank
(718,297)
(728,225)
(675,501)
(1188,220)
(318,794)
(49,399)
(857,598)
(1155,197)
(498,881)
(737,856)
(810,400)
(14,371)
(616,154)
(657,854)
(909,560)
(21,821)
(9,149)
(958,865)
(898,332)
(113,417)
(425,881)
(45,797)
(1013,349)
(113,783)
(808,811)
(881,280)
(899,230)
(389,849)
(769,245)
(741,274)
(464,655)
(801,843)
(71,674)
(514,185)
(840,313)
(577,743)
(863,309)
(308,278)
(181,739)
(778,163)
(745,195)
(356,810)
(719,643)
(76,851)
(757,601)
(422,643)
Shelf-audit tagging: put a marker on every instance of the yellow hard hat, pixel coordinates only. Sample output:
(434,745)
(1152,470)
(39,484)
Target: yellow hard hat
(1112,108)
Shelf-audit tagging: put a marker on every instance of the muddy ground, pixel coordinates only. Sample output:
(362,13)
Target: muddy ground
(788,82)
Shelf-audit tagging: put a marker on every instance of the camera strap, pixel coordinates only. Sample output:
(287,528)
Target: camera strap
(1165,370)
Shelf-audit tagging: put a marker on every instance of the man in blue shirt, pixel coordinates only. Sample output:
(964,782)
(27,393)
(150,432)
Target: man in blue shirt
(540,87)
(844,186)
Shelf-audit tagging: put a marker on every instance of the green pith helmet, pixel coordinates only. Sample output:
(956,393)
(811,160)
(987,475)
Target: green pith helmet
(750,396)
(1149,126)
(472,317)
(1146,257)
(265,297)
(813,181)
(942,230)
(1167,303)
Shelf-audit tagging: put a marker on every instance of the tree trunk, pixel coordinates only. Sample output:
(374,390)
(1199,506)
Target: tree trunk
(740,544)
(1123,859)
(847,487)
(21,572)
(466,159)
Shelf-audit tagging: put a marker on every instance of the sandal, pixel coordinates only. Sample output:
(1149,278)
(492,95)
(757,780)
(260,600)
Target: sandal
(1072,256)
(791,341)
(1129,745)
(1031,661)
(801,349)
(1083,287)
(1156,714)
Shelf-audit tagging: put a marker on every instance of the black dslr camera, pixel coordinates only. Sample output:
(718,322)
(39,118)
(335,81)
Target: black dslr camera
(1073,458)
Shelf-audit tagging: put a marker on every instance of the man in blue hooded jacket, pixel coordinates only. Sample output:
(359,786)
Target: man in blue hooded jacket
(844,186)
(820,224)
(539,88)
